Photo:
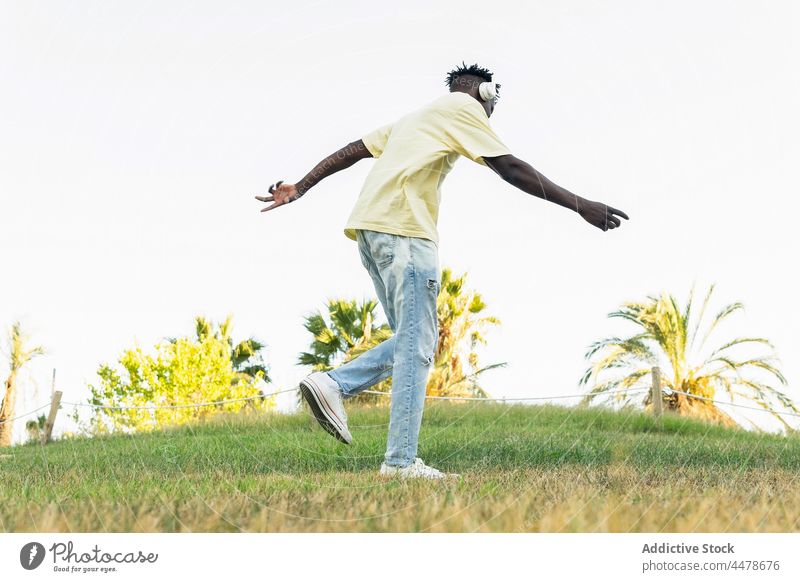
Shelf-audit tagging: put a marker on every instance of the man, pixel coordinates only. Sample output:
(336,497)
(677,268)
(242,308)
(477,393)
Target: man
(394,223)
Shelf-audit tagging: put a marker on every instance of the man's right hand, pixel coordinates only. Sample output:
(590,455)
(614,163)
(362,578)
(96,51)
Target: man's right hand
(599,214)
(281,194)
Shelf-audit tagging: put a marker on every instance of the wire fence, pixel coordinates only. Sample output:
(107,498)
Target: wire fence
(42,407)
(189,405)
(458,398)
(734,404)
(520,399)
(265,396)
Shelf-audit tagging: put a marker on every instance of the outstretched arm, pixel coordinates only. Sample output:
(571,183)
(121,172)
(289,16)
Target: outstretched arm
(525,177)
(345,157)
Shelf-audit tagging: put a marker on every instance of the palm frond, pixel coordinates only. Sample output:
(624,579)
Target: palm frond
(702,311)
(226,327)
(202,327)
(687,312)
(762,397)
(19,352)
(741,340)
(722,315)
(765,363)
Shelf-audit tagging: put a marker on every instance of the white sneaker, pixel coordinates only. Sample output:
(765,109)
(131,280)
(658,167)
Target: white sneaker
(325,399)
(415,469)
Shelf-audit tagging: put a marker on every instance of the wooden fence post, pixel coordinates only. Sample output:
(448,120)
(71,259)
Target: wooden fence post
(51,418)
(656,394)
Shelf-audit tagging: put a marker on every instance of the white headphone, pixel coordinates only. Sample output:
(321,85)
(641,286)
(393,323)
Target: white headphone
(487,90)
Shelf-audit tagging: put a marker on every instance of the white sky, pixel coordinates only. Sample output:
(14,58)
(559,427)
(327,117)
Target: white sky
(134,135)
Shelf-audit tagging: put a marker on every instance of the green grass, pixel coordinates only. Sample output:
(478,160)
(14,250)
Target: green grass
(524,468)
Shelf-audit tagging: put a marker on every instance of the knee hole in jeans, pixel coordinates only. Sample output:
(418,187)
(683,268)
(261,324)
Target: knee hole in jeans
(434,285)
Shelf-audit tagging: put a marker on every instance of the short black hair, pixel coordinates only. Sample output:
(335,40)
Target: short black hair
(473,69)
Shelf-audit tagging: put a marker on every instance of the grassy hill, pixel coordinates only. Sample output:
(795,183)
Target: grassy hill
(524,468)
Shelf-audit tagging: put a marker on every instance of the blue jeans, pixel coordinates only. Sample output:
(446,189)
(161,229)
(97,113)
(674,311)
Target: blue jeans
(406,274)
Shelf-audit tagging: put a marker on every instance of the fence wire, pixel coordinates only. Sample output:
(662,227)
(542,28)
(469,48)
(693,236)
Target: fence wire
(170,406)
(733,403)
(25,414)
(463,398)
(523,398)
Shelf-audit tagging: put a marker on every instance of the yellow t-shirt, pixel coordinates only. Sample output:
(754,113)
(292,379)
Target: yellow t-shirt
(401,193)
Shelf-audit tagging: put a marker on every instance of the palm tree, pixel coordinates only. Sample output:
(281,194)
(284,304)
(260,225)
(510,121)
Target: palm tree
(456,364)
(349,331)
(20,355)
(670,340)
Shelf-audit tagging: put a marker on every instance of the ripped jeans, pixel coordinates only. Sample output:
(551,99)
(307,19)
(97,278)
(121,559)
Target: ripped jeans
(406,274)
